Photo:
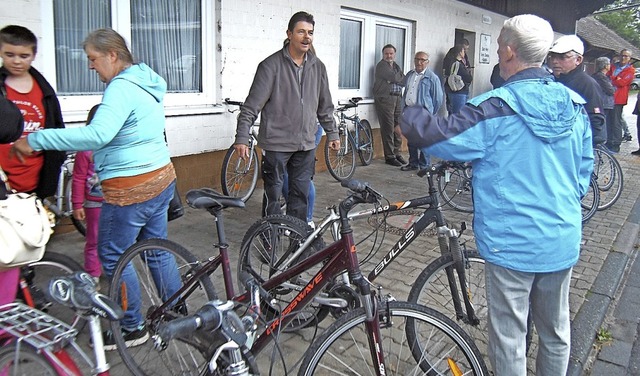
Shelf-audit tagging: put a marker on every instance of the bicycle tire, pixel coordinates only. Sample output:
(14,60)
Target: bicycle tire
(38,274)
(456,190)
(81,226)
(341,163)
(30,362)
(183,356)
(237,178)
(365,142)
(590,201)
(343,347)
(269,242)
(609,177)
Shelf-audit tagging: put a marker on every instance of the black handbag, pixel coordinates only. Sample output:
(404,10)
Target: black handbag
(176,210)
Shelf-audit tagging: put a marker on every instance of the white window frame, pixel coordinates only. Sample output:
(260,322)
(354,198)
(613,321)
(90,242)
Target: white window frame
(368,52)
(75,107)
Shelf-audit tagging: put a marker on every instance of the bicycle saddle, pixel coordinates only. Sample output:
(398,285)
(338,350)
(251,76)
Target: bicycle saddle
(78,291)
(207,198)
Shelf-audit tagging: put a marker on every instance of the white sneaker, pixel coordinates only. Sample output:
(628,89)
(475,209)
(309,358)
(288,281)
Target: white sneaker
(312,225)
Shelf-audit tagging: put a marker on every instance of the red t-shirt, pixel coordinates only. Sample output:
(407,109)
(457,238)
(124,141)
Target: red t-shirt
(23,177)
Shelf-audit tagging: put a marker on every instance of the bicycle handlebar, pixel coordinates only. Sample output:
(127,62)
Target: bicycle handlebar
(233,103)
(365,193)
(439,168)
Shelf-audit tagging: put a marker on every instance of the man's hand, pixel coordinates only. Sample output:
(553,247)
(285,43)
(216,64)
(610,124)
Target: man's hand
(397,130)
(20,149)
(334,145)
(242,150)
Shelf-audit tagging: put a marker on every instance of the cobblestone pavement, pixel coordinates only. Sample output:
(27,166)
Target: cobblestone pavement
(595,278)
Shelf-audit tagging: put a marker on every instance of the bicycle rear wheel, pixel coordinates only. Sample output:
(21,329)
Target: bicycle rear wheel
(365,142)
(267,244)
(590,201)
(609,177)
(455,188)
(37,276)
(414,340)
(183,356)
(238,176)
(30,362)
(81,226)
(341,163)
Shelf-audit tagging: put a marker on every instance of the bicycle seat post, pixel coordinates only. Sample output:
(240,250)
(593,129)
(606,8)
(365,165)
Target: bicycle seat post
(223,247)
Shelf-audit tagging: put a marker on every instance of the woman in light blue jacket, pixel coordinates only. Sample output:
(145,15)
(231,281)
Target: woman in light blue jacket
(132,161)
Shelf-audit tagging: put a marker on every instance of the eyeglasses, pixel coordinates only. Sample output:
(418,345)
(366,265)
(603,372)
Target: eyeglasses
(421,60)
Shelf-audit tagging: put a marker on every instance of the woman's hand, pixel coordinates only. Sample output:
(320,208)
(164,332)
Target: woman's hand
(20,149)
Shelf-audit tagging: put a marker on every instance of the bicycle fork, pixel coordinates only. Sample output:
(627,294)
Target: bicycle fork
(449,243)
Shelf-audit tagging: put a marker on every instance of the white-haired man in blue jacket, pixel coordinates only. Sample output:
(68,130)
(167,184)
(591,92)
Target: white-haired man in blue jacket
(529,143)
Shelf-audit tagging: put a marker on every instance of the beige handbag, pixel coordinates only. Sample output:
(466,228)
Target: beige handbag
(24,228)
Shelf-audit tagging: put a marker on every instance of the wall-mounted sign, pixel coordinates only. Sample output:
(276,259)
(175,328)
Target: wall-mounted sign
(485,45)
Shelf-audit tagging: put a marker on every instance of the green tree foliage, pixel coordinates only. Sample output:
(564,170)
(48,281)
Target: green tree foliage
(622,19)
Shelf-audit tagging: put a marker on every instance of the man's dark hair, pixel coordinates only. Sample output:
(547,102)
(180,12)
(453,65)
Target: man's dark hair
(389,46)
(18,36)
(300,17)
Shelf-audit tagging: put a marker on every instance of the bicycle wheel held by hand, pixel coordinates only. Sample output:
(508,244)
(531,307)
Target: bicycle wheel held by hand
(238,176)
(341,163)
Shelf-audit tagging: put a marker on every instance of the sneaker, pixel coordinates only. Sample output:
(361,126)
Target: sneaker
(312,225)
(408,168)
(131,338)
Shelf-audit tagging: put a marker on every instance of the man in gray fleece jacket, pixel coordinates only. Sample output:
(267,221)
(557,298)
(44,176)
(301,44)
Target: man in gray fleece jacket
(290,90)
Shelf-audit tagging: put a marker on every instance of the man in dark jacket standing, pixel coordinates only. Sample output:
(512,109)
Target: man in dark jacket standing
(387,92)
(565,59)
(291,90)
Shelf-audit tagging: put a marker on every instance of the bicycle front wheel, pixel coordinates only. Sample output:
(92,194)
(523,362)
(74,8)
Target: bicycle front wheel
(238,176)
(365,142)
(414,340)
(341,163)
(432,289)
(183,356)
(609,177)
(455,188)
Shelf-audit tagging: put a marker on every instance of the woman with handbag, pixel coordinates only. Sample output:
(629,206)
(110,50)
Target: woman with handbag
(453,64)
(132,161)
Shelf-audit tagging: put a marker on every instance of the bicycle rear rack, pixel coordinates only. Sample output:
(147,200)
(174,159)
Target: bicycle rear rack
(38,329)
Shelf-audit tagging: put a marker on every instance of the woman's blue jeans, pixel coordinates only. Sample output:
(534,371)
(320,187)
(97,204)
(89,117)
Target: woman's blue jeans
(121,227)
(456,102)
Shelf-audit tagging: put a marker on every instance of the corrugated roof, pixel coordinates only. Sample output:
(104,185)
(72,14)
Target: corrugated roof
(597,35)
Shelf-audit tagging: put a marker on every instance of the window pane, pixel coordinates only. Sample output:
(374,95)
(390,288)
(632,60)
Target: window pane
(167,36)
(350,47)
(73,21)
(390,35)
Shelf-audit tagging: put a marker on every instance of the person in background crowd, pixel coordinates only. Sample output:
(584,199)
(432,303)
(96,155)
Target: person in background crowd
(456,99)
(636,111)
(496,80)
(387,94)
(621,74)
(132,160)
(602,67)
(421,88)
(532,129)
(287,123)
(86,199)
(565,61)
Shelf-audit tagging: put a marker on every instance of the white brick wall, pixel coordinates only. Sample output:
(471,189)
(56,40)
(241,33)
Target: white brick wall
(252,30)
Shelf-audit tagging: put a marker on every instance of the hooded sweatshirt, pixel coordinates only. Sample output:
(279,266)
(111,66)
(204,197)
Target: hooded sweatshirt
(127,132)
(530,146)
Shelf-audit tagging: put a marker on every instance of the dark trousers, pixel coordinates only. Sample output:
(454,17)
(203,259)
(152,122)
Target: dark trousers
(388,109)
(614,128)
(300,166)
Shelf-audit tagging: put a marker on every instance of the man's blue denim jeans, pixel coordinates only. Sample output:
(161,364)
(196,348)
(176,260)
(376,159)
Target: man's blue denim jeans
(121,227)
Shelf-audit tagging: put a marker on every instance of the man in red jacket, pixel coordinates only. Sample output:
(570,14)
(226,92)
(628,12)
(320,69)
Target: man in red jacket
(621,75)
